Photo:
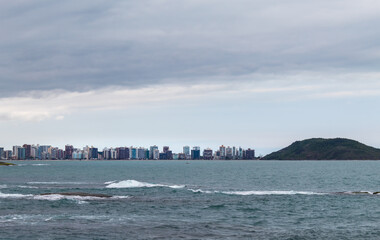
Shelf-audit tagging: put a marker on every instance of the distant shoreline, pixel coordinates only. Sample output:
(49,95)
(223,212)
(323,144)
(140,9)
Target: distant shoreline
(196,160)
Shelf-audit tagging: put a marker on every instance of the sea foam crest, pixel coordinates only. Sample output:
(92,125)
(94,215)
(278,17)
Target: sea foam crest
(56,197)
(15,195)
(247,193)
(56,183)
(201,191)
(137,184)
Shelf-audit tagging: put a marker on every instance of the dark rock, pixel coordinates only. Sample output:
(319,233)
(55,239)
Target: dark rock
(6,164)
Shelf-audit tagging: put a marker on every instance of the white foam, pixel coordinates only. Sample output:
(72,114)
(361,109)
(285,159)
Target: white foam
(55,183)
(22,186)
(200,191)
(39,164)
(246,193)
(137,184)
(120,197)
(57,197)
(3,186)
(14,195)
(110,182)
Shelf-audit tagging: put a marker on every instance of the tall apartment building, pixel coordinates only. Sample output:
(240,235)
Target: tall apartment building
(69,149)
(28,151)
(186,151)
(156,154)
(151,151)
(207,154)
(250,154)
(196,153)
(222,150)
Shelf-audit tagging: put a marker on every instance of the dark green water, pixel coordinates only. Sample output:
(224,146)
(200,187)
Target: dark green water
(190,200)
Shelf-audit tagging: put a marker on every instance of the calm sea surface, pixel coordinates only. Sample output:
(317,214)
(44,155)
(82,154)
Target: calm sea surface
(190,200)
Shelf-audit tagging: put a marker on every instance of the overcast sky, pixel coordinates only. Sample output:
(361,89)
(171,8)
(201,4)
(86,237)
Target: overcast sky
(247,73)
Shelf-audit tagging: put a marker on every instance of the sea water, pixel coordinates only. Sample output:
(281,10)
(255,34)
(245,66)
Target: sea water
(190,200)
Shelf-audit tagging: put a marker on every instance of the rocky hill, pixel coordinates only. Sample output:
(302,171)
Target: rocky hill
(326,149)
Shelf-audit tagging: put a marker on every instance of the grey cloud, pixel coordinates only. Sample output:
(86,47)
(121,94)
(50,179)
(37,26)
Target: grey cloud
(91,44)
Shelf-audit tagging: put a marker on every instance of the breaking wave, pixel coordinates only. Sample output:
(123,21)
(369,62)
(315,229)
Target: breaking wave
(15,195)
(247,193)
(55,183)
(201,191)
(137,184)
(57,197)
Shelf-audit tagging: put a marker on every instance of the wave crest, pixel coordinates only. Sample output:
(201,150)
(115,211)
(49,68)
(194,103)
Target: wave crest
(247,193)
(137,184)
(57,197)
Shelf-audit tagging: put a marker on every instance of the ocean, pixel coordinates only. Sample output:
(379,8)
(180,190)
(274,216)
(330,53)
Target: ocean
(190,200)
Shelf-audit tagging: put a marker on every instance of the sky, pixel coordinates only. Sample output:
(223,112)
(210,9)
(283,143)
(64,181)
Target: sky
(250,73)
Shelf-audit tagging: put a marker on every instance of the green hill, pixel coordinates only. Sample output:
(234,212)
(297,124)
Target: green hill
(326,149)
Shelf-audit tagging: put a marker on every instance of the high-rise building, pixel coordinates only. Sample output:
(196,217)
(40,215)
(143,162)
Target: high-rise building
(69,151)
(78,154)
(43,152)
(2,153)
(53,153)
(165,149)
(60,154)
(93,153)
(28,149)
(250,154)
(186,151)
(162,156)
(133,153)
(20,153)
(222,150)
(120,153)
(207,154)
(15,151)
(229,153)
(196,153)
(8,154)
(140,153)
(151,151)
(156,154)
(169,155)
(34,152)
(240,153)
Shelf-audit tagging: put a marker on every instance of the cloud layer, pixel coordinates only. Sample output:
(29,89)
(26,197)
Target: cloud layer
(80,46)
(41,105)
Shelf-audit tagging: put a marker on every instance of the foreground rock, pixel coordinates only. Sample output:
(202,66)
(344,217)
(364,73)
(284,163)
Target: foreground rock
(79,194)
(6,164)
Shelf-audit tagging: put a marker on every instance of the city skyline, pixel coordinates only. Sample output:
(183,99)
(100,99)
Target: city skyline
(246,73)
(70,152)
